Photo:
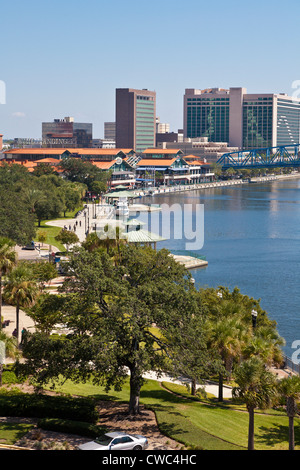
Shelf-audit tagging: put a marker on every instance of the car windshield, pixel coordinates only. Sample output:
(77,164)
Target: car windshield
(103,440)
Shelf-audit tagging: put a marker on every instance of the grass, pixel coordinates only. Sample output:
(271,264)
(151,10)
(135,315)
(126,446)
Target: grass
(12,432)
(53,231)
(196,424)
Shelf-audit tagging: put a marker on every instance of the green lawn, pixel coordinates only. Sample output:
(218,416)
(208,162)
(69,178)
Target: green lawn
(201,425)
(52,231)
(12,432)
(51,234)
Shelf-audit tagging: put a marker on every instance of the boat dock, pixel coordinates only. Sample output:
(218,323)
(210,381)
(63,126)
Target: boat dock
(190,262)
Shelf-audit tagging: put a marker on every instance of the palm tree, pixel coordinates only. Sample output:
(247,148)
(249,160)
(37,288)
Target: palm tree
(8,349)
(266,343)
(112,239)
(8,258)
(289,388)
(20,290)
(33,196)
(257,387)
(228,336)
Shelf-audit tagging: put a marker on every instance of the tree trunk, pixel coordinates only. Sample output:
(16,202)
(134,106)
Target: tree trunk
(251,429)
(135,390)
(291,410)
(220,398)
(193,387)
(291,433)
(1,371)
(17,322)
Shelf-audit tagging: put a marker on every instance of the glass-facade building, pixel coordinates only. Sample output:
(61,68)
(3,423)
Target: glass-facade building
(288,121)
(257,122)
(208,117)
(243,120)
(135,119)
(144,124)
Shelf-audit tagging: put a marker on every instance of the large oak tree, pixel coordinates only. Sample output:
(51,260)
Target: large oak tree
(119,317)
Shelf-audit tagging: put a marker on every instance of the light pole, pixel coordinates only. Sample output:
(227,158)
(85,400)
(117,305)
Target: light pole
(254,317)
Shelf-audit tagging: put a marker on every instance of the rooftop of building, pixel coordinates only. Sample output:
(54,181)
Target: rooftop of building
(161,151)
(61,151)
(156,162)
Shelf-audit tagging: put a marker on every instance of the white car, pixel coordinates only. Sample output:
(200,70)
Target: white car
(116,441)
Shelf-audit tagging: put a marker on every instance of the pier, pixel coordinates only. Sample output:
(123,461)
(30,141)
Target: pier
(190,262)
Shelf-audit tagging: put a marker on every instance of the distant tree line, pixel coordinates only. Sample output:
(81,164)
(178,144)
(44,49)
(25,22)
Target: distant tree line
(27,198)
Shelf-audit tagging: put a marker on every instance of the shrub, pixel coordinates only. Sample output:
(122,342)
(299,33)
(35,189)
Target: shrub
(15,403)
(71,427)
(9,377)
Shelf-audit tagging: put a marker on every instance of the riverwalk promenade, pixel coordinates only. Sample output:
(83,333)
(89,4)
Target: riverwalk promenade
(213,184)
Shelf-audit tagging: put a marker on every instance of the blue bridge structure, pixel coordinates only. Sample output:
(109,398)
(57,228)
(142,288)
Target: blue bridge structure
(269,157)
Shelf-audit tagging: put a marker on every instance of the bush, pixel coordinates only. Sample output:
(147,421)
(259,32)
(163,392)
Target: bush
(71,427)
(16,403)
(9,377)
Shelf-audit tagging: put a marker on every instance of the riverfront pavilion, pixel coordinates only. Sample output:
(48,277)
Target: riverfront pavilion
(143,237)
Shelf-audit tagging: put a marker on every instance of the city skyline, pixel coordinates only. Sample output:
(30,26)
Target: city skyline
(61,60)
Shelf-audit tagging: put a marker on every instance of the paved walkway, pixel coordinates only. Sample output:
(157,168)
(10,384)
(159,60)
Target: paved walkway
(9,313)
(209,387)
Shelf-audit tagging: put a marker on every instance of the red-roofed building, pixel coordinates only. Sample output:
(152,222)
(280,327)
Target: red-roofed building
(172,171)
(86,153)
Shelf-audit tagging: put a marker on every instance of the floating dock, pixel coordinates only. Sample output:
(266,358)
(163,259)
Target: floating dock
(190,262)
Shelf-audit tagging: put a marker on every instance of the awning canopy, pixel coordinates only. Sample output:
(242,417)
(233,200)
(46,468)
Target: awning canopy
(133,223)
(118,194)
(143,236)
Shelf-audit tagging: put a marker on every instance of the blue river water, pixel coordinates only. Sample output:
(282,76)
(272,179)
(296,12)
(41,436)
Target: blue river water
(251,237)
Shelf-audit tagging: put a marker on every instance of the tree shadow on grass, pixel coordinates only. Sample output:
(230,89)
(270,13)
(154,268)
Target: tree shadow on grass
(277,434)
(17,429)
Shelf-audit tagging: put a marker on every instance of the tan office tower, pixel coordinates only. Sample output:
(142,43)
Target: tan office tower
(135,119)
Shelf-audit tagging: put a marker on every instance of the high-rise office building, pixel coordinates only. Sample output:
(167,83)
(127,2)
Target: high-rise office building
(110,130)
(243,120)
(67,133)
(135,119)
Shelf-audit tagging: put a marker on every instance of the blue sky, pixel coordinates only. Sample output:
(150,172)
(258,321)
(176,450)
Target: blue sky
(66,58)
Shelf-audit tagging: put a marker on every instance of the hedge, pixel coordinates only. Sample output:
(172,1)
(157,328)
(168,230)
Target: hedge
(16,403)
(71,427)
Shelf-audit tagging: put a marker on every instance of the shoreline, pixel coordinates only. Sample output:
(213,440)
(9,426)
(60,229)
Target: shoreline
(214,184)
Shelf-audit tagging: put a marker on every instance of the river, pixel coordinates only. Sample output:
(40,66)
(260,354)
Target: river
(251,241)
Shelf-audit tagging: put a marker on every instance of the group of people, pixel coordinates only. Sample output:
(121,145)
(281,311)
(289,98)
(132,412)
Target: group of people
(74,226)
(23,334)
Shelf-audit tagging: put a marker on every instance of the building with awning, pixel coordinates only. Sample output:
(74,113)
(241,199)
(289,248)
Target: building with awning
(143,237)
(95,154)
(173,171)
(133,224)
(122,174)
(115,195)
(162,153)
(167,171)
